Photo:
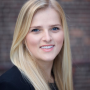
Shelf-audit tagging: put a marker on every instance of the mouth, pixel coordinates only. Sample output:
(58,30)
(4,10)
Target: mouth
(47,48)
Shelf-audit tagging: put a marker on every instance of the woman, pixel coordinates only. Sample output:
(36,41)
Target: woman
(40,49)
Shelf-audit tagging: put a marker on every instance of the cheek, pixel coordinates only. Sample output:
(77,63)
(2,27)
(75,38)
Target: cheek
(60,38)
(31,41)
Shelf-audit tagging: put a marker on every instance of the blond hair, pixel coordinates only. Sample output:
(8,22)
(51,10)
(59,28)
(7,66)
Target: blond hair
(21,58)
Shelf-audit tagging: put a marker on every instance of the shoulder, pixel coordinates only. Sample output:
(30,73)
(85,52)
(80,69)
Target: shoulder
(13,80)
(12,75)
(7,86)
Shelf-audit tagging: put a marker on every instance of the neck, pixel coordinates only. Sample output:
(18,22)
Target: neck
(46,67)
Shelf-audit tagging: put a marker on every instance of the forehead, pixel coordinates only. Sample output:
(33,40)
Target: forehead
(46,15)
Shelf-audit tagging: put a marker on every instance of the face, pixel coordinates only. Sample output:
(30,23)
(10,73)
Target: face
(45,37)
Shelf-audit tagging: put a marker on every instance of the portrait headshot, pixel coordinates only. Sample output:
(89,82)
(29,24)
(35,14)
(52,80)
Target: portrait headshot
(40,50)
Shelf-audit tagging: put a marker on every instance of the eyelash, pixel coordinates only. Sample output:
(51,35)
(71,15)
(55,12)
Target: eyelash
(56,28)
(37,30)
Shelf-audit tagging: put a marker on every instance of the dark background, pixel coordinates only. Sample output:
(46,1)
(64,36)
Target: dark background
(78,19)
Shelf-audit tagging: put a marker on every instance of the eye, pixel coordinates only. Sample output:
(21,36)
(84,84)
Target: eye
(55,28)
(35,30)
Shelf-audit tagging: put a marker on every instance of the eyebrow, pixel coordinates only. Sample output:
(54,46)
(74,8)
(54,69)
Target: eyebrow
(49,26)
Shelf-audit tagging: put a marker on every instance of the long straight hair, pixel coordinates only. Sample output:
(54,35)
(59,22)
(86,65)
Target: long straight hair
(21,58)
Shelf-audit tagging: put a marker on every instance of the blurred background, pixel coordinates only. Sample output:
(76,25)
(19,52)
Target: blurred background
(78,19)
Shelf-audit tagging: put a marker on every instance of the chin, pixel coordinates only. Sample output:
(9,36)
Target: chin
(48,59)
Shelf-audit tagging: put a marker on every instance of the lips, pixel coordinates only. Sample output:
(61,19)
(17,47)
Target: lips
(47,48)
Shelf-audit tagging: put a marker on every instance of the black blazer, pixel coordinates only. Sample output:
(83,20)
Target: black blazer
(13,80)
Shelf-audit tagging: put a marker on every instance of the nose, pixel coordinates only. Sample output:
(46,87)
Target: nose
(47,36)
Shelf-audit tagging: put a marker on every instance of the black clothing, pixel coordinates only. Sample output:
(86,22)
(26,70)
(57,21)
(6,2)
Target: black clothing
(13,80)
(53,86)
